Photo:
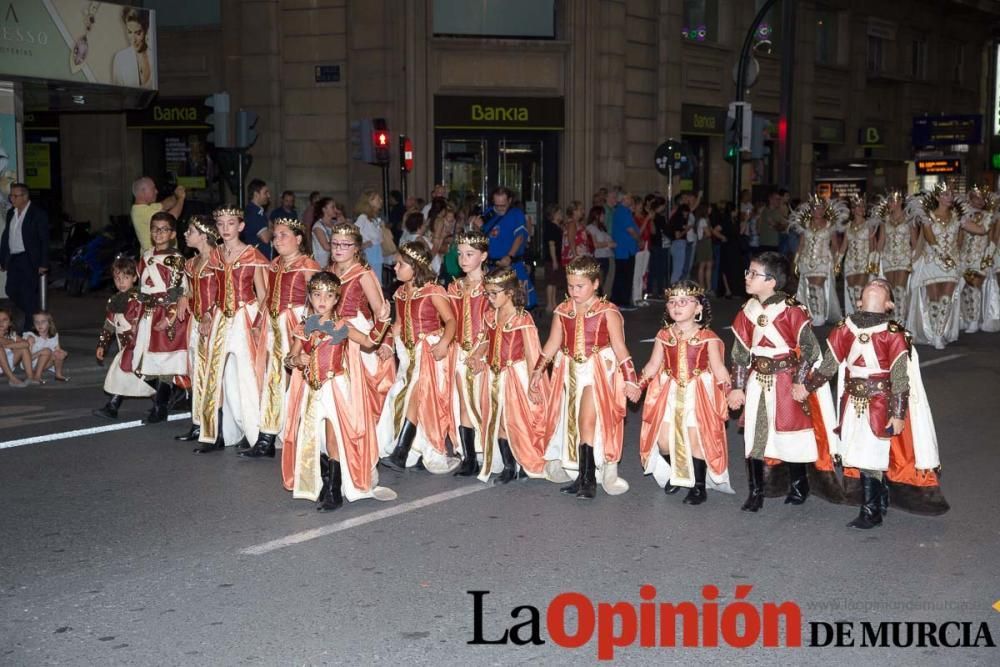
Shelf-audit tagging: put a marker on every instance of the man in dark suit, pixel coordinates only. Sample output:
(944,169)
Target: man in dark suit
(24,251)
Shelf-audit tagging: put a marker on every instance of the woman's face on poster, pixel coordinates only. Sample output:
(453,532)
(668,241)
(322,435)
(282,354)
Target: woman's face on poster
(136,35)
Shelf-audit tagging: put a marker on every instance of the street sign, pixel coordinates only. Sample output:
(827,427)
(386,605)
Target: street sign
(673,158)
(946,165)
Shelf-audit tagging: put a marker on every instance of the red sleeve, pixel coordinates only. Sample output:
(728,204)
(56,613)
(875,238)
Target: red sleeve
(840,341)
(893,344)
(791,323)
(743,329)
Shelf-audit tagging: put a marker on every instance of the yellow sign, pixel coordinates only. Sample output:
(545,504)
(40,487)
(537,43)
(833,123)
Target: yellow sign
(38,166)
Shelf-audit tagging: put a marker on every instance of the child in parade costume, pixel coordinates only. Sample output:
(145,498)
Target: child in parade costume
(120,322)
(886,427)
(362,305)
(978,208)
(818,221)
(161,339)
(593,373)
(514,426)
(287,277)
(774,351)
(933,316)
(203,289)
(334,458)
(685,412)
(469,305)
(894,247)
(235,360)
(417,419)
(859,252)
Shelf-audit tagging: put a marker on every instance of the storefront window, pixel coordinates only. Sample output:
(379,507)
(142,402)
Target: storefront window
(701,21)
(534,19)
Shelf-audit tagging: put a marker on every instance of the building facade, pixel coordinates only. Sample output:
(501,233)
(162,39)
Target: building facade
(553,98)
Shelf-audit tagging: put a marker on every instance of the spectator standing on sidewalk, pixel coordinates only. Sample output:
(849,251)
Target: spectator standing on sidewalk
(625,233)
(145,206)
(256,230)
(604,245)
(771,223)
(24,251)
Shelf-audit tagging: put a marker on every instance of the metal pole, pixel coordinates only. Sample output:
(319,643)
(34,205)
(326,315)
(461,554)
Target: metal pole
(385,192)
(239,179)
(787,81)
(43,294)
(741,90)
(670,185)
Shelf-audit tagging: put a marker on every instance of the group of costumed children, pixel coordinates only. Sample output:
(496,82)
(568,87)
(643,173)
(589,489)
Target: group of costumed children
(459,381)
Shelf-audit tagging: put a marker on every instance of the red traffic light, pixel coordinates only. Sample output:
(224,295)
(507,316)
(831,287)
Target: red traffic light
(382,139)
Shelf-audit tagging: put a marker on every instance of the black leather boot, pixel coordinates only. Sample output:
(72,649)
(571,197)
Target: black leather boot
(871,510)
(110,409)
(192,435)
(158,413)
(509,471)
(470,465)
(324,474)
(180,399)
(218,445)
(588,473)
(697,495)
(883,502)
(263,447)
(574,486)
(798,488)
(669,488)
(755,479)
(334,497)
(397,460)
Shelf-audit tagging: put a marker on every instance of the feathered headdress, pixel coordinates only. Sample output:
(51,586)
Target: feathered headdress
(835,211)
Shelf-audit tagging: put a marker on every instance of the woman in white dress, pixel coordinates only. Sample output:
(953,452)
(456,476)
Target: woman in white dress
(936,281)
(818,221)
(894,247)
(858,249)
(978,207)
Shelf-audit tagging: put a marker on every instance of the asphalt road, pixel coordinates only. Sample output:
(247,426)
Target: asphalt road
(124,548)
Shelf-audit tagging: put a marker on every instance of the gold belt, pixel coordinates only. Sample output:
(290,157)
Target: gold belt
(867,387)
(768,366)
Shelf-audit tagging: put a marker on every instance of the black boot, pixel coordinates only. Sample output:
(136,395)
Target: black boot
(883,501)
(871,510)
(192,435)
(218,445)
(180,399)
(334,497)
(509,464)
(158,413)
(697,495)
(324,474)
(110,409)
(588,473)
(470,465)
(798,487)
(263,447)
(669,488)
(574,486)
(397,460)
(755,479)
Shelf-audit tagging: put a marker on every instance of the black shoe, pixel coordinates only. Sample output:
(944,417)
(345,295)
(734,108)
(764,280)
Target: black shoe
(470,465)
(669,488)
(243,445)
(192,435)
(324,474)
(397,460)
(509,464)
(573,487)
(798,488)
(334,497)
(870,515)
(158,413)
(208,448)
(110,409)
(588,473)
(755,479)
(263,447)
(697,495)
(883,501)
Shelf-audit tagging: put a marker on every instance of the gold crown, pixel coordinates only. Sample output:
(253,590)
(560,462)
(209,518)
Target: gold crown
(226,211)
(474,238)
(324,281)
(584,266)
(695,291)
(345,229)
(501,277)
(198,222)
(412,252)
(291,223)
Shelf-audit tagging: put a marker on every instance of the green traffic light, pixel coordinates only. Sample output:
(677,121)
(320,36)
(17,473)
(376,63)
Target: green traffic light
(995,161)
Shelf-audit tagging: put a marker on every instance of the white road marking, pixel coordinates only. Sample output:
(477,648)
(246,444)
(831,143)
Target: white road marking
(940,360)
(49,437)
(347,524)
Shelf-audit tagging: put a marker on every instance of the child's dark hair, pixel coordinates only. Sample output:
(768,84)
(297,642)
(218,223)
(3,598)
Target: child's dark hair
(165,217)
(693,289)
(125,265)
(506,279)
(775,265)
(52,322)
(413,221)
(416,255)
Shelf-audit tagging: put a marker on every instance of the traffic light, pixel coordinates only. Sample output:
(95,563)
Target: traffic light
(218,119)
(405,153)
(763,131)
(246,132)
(380,141)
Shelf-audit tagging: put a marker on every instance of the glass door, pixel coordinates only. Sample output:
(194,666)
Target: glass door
(520,170)
(463,169)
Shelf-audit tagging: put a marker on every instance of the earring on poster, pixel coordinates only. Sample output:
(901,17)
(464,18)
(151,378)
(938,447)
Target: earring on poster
(78,57)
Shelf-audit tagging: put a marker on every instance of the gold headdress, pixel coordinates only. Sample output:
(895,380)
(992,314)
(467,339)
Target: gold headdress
(324,281)
(417,253)
(291,223)
(227,211)
(200,223)
(501,277)
(584,266)
(854,200)
(682,289)
(474,238)
(346,229)
(884,204)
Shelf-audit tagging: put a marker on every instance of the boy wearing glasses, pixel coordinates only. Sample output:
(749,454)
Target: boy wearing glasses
(775,350)
(162,336)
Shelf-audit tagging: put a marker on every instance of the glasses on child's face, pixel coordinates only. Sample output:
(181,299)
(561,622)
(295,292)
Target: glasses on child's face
(160,230)
(342,246)
(751,274)
(681,301)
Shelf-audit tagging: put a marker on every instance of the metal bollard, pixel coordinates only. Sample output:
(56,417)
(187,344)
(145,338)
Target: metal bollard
(43,293)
